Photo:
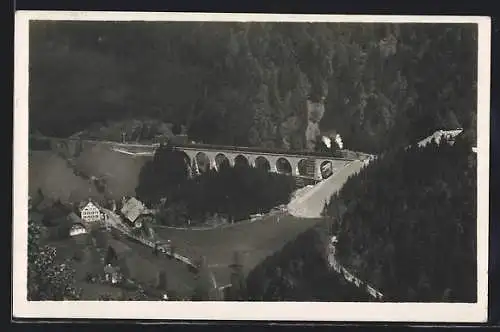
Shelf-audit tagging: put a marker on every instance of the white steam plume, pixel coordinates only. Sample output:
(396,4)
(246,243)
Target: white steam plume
(339,142)
(327,141)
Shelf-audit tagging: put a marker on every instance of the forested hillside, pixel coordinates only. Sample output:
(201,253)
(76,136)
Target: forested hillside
(377,85)
(407,223)
(299,272)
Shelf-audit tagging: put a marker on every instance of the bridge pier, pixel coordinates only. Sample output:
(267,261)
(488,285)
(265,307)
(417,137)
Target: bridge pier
(295,168)
(251,161)
(213,163)
(196,166)
(317,170)
(273,168)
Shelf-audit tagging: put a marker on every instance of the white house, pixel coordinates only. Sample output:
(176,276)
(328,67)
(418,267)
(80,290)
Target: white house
(90,212)
(78,225)
(77,229)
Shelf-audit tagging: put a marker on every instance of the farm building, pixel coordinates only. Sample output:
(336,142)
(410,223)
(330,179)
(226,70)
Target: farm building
(89,212)
(77,229)
(135,212)
(112,274)
(78,226)
(131,209)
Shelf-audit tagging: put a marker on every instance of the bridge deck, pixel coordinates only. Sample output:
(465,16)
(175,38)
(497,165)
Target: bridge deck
(261,150)
(219,148)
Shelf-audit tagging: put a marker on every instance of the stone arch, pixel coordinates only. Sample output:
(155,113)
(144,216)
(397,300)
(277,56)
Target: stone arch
(241,160)
(262,163)
(222,161)
(202,161)
(326,169)
(302,167)
(283,166)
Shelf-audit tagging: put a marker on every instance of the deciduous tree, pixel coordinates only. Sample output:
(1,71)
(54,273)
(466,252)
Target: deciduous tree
(47,279)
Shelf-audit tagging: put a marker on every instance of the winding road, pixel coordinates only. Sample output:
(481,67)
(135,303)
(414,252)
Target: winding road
(311,204)
(256,240)
(261,238)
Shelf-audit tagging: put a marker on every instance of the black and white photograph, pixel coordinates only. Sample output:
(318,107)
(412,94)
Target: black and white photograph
(251,166)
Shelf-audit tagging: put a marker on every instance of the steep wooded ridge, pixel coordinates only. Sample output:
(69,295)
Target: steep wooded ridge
(248,84)
(407,223)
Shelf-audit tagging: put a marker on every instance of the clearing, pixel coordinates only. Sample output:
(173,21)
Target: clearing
(143,265)
(256,240)
(57,180)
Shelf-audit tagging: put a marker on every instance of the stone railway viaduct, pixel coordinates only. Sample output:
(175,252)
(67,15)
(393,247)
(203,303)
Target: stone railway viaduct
(312,166)
(298,164)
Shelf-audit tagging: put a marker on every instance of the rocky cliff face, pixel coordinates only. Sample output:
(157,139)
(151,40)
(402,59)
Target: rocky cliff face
(302,132)
(315,112)
(292,133)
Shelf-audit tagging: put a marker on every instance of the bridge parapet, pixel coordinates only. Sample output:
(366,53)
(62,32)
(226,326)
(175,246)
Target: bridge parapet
(296,163)
(259,150)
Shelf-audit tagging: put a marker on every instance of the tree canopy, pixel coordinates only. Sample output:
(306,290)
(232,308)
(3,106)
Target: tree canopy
(299,272)
(407,223)
(47,279)
(248,83)
(163,175)
(231,192)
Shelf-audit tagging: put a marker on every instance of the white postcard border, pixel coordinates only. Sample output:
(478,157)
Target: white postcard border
(282,311)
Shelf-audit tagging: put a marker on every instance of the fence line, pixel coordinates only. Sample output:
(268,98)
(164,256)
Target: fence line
(337,267)
(220,226)
(151,244)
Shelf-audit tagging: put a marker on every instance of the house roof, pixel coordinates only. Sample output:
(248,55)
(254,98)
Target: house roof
(132,209)
(86,203)
(78,225)
(109,269)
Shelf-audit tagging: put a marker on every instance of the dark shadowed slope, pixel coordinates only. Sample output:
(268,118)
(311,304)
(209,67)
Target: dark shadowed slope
(59,179)
(53,175)
(120,171)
